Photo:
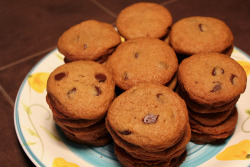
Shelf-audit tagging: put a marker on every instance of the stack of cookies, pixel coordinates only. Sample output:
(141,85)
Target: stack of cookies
(79,94)
(211,84)
(149,126)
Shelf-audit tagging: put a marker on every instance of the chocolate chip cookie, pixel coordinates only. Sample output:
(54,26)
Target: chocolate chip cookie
(79,94)
(135,114)
(211,78)
(144,19)
(143,60)
(81,89)
(198,34)
(88,40)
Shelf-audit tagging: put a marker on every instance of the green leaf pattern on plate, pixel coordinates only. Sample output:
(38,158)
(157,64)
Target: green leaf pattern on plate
(33,131)
(244,122)
(53,136)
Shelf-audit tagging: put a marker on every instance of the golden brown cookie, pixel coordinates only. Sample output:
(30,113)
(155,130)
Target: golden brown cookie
(142,60)
(211,78)
(88,40)
(136,113)
(198,34)
(144,20)
(81,89)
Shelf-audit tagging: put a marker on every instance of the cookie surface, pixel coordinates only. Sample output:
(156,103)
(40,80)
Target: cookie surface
(211,78)
(144,20)
(88,40)
(81,89)
(135,114)
(142,60)
(200,34)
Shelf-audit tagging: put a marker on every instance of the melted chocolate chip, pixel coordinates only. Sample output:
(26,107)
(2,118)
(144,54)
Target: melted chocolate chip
(233,79)
(159,96)
(100,77)
(126,132)
(85,46)
(125,76)
(150,119)
(98,91)
(216,87)
(200,27)
(217,71)
(60,76)
(71,92)
(136,55)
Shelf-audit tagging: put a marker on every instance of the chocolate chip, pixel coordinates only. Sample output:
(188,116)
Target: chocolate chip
(126,132)
(136,55)
(159,96)
(217,71)
(98,91)
(216,87)
(125,76)
(150,119)
(60,76)
(100,77)
(200,27)
(233,79)
(85,46)
(71,92)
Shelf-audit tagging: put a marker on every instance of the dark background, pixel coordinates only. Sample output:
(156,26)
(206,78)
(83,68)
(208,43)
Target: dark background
(30,29)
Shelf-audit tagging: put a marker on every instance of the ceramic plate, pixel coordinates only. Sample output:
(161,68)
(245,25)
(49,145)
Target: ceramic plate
(45,145)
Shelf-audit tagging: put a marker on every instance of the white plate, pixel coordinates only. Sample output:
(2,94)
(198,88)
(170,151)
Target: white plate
(45,145)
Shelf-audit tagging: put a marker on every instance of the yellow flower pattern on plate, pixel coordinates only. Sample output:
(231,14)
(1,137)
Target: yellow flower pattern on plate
(60,162)
(38,81)
(246,66)
(240,151)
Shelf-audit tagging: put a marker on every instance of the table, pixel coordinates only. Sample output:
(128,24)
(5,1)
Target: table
(30,29)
